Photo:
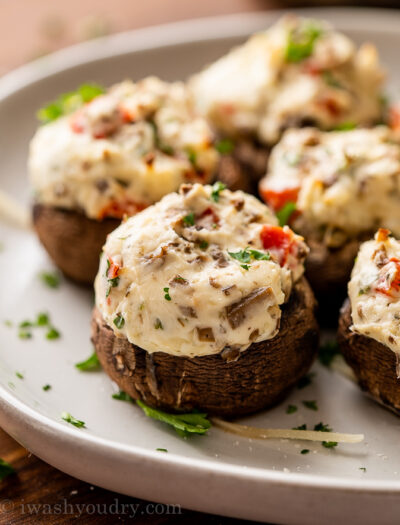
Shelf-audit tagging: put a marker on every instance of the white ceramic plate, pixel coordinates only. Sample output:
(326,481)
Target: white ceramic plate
(218,473)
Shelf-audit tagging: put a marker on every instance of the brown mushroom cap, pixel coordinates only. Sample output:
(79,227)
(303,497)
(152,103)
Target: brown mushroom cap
(72,240)
(373,363)
(227,384)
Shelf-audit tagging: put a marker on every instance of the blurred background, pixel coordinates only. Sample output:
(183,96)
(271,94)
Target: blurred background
(33,28)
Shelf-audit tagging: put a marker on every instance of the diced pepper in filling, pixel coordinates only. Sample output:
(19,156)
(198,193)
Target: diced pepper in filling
(277,240)
(389,278)
(117,209)
(278,199)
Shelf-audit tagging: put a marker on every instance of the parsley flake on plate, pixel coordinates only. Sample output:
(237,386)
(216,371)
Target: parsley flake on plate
(50,279)
(184,424)
(291,409)
(122,396)
(311,405)
(89,364)
(5,469)
(66,416)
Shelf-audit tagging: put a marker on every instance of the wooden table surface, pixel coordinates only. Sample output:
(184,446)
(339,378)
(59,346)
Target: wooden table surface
(38,493)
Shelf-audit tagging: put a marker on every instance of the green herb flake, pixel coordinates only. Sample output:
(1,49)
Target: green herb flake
(188,220)
(42,319)
(166,292)
(50,279)
(305,381)
(192,156)
(184,424)
(291,409)
(112,283)
(161,450)
(25,324)
(5,469)
(122,396)
(364,469)
(158,324)
(301,42)
(311,405)
(69,102)
(52,333)
(331,80)
(19,375)
(216,190)
(90,364)
(66,416)
(246,256)
(8,323)
(225,146)
(284,214)
(305,451)
(119,321)
(327,353)
(25,334)
(46,388)
(321,427)
(203,245)
(345,126)
(301,427)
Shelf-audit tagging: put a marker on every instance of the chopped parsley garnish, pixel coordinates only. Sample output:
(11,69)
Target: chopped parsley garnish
(224,146)
(305,381)
(5,469)
(305,451)
(327,352)
(331,80)
(312,405)
(19,375)
(246,256)
(284,214)
(188,220)
(364,290)
(184,424)
(69,102)
(112,283)
(167,296)
(161,450)
(301,427)
(301,42)
(321,427)
(42,319)
(8,323)
(363,469)
(203,245)
(90,364)
(66,416)
(345,126)
(46,388)
(119,321)
(158,324)
(50,279)
(24,334)
(52,333)
(216,190)
(291,409)
(192,156)
(122,396)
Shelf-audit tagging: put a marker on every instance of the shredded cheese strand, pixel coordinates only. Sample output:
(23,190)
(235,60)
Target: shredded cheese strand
(12,212)
(285,433)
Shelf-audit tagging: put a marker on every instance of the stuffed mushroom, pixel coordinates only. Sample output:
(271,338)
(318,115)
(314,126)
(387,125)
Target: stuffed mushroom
(298,72)
(201,303)
(336,189)
(369,326)
(115,155)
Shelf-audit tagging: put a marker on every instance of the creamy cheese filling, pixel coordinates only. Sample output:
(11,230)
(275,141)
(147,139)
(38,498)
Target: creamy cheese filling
(297,71)
(374,291)
(122,151)
(200,272)
(344,183)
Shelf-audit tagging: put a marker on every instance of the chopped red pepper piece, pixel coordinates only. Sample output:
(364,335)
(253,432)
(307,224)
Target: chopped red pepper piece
(394,118)
(117,209)
(113,269)
(389,282)
(278,199)
(278,240)
(330,105)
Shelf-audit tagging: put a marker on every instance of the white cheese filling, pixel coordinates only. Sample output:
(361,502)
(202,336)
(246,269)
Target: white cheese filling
(199,272)
(347,181)
(122,151)
(299,70)
(374,291)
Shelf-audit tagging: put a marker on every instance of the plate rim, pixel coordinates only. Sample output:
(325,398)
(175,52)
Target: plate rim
(14,413)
